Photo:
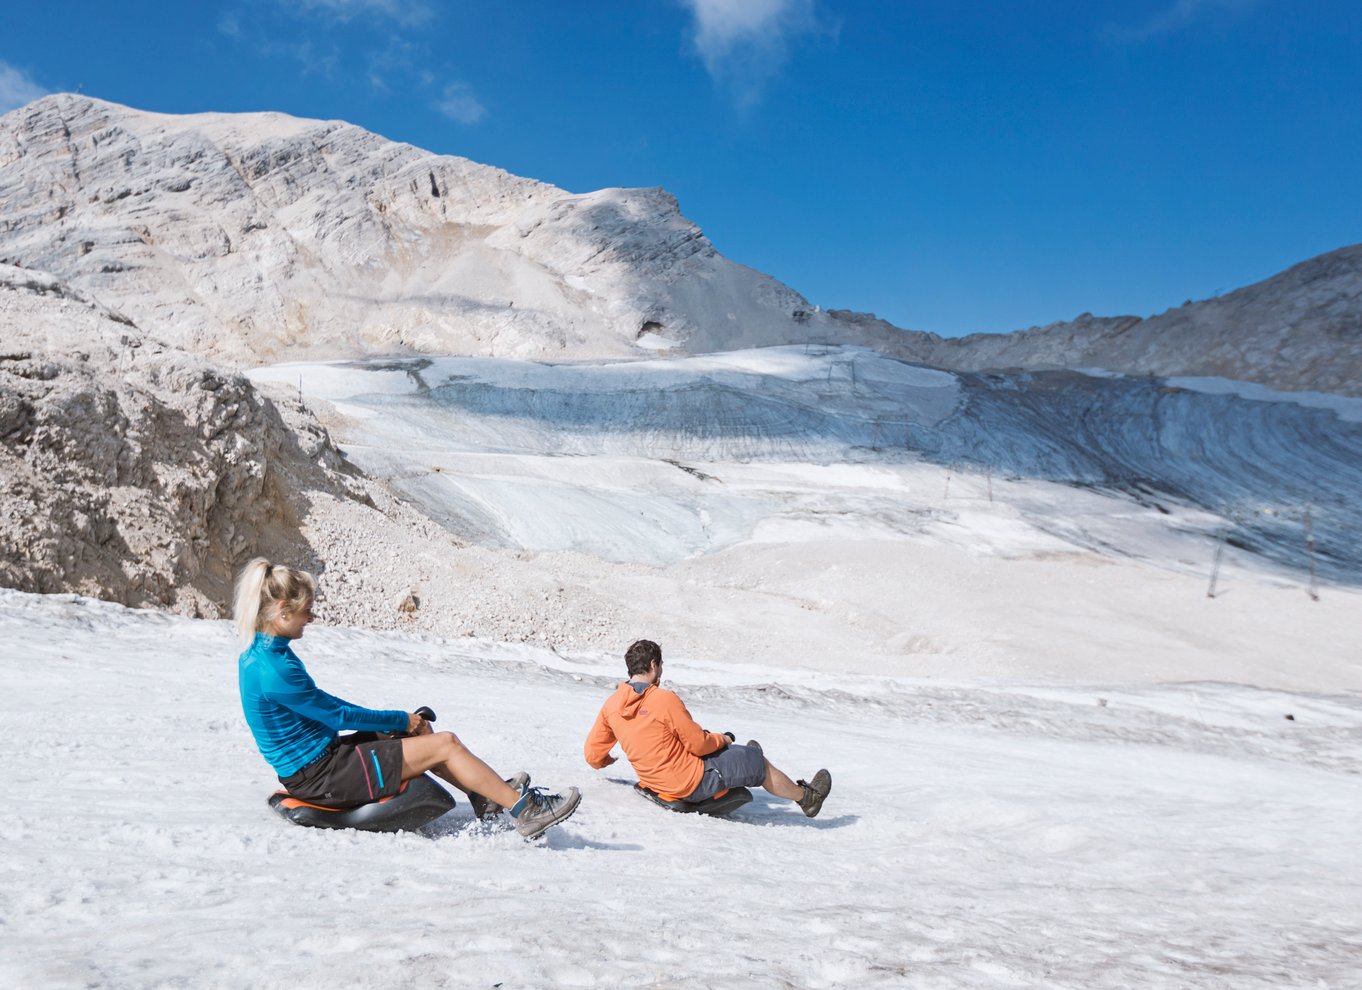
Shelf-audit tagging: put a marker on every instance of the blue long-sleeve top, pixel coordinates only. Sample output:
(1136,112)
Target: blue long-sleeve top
(292,719)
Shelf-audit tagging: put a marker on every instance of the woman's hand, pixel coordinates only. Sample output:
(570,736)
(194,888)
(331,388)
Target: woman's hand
(417,725)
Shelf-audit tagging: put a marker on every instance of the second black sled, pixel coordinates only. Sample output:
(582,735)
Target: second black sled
(720,805)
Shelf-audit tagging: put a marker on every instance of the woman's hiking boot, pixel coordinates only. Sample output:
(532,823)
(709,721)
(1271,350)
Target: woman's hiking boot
(814,792)
(486,808)
(536,811)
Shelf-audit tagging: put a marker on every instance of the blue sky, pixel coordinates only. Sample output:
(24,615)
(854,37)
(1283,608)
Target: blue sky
(950,166)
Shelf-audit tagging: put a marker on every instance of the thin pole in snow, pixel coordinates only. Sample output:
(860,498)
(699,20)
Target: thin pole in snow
(1312,591)
(1215,564)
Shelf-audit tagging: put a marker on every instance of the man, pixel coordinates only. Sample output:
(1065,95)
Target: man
(672,755)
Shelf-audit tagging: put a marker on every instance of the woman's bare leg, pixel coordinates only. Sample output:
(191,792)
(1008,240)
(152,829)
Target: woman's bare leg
(780,785)
(445,755)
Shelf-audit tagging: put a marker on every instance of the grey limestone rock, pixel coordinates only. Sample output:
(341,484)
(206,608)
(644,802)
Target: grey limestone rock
(136,472)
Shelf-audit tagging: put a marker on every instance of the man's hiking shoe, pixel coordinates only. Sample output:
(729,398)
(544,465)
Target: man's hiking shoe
(486,807)
(814,792)
(536,811)
(753,744)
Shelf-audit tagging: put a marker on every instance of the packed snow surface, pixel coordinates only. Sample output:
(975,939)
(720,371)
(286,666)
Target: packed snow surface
(977,835)
(1342,406)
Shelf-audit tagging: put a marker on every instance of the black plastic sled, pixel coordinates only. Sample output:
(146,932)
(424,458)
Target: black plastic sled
(418,802)
(721,805)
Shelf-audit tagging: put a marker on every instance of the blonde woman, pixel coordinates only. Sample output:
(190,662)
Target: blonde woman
(296,725)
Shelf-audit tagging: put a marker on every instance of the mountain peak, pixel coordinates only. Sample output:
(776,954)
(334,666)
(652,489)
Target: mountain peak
(260,236)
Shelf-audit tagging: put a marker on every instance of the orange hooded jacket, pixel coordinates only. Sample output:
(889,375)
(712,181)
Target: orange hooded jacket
(662,741)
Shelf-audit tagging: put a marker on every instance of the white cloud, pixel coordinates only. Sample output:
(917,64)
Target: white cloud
(1170,19)
(17,88)
(313,60)
(401,57)
(743,43)
(459,103)
(406,12)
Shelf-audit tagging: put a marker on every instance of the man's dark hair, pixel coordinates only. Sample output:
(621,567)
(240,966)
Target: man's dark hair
(639,657)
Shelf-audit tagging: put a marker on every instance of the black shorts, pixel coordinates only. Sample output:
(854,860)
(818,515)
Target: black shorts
(355,769)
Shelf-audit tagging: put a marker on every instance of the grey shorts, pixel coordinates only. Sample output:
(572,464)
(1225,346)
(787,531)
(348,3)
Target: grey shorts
(733,766)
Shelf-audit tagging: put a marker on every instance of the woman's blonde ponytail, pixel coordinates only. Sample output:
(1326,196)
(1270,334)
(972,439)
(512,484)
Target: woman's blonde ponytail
(261,586)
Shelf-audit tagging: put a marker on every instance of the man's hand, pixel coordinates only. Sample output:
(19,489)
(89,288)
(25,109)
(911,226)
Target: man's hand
(417,725)
(730,737)
(607,761)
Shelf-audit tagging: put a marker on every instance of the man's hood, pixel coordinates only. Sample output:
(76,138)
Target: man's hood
(629,699)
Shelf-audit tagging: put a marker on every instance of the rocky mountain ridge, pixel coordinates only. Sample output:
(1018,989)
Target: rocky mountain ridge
(1300,330)
(255,238)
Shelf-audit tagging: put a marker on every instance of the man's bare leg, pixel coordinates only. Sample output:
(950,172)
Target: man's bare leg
(780,785)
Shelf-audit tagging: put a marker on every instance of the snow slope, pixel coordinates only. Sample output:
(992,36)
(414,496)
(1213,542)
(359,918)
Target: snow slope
(1082,837)
(507,451)
(761,506)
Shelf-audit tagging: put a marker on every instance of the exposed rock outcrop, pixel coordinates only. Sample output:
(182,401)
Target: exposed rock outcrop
(135,472)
